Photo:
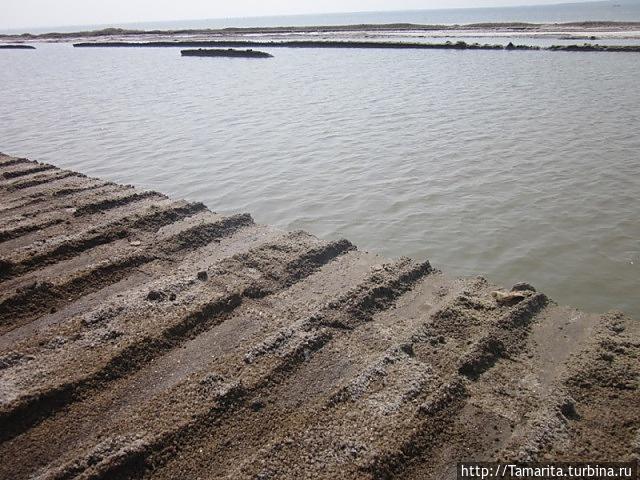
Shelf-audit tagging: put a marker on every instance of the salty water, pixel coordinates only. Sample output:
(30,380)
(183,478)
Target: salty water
(513,165)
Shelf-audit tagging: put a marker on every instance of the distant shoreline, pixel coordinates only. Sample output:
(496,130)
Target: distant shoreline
(548,29)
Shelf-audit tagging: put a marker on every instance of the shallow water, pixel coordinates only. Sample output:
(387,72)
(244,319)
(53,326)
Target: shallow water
(514,165)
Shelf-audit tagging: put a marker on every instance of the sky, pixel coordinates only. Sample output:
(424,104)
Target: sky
(16,14)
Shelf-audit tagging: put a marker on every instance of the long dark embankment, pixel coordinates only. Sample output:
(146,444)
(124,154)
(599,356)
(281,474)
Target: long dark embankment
(17,47)
(142,337)
(219,52)
(294,44)
(460,45)
(587,47)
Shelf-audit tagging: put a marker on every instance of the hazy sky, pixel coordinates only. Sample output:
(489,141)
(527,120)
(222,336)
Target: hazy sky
(42,13)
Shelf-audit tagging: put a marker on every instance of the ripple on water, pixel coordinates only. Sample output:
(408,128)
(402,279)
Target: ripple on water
(516,165)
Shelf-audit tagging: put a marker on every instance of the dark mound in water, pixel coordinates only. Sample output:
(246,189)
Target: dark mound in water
(231,53)
(589,47)
(17,47)
(511,46)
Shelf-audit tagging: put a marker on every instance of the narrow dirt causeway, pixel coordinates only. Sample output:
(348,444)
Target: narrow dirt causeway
(142,337)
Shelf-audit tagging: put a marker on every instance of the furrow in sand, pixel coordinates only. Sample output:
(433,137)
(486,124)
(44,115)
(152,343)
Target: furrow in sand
(23,172)
(291,345)
(525,407)
(66,187)
(44,205)
(29,302)
(100,199)
(47,178)
(318,384)
(506,384)
(15,232)
(574,419)
(150,221)
(220,348)
(206,395)
(159,326)
(116,201)
(492,336)
(28,223)
(37,240)
(287,352)
(397,397)
(604,378)
(53,180)
(415,377)
(65,191)
(7,161)
(503,339)
(37,331)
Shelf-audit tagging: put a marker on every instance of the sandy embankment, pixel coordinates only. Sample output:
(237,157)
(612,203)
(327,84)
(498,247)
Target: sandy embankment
(142,336)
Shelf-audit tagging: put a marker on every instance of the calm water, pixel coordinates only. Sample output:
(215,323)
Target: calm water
(516,165)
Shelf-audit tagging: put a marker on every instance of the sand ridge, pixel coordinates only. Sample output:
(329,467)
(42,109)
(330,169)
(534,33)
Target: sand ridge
(143,337)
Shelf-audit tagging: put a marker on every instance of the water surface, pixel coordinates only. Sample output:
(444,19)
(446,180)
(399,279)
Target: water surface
(514,165)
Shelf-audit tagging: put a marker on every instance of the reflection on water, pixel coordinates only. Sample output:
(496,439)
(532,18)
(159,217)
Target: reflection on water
(515,165)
